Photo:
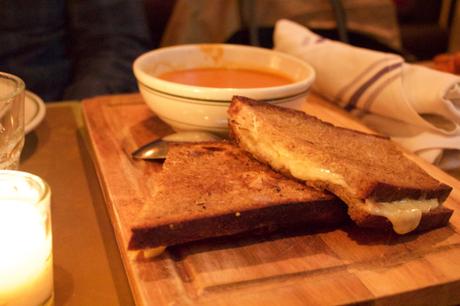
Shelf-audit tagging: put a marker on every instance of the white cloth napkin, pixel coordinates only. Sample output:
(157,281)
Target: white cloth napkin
(417,106)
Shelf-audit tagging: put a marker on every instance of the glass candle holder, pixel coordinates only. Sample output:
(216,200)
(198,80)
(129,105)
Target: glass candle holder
(26,261)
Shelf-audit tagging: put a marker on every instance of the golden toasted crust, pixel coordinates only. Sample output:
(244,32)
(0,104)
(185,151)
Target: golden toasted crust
(355,166)
(214,188)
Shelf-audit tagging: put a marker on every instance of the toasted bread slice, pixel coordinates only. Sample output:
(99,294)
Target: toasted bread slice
(214,189)
(369,173)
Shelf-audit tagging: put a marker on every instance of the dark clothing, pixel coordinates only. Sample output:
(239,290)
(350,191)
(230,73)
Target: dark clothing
(72,49)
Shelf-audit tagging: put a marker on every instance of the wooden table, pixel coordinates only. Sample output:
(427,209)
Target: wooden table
(87,265)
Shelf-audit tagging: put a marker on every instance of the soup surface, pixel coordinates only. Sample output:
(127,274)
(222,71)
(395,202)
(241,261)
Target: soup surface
(226,78)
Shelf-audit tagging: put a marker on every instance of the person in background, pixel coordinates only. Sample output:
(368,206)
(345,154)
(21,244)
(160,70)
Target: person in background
(73,49)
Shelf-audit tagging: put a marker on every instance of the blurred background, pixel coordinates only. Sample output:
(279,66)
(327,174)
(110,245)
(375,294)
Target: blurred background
(417,29)
(74,49)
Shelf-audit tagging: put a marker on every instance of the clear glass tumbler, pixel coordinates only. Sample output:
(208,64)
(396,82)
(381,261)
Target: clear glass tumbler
(12,93)
(26,257)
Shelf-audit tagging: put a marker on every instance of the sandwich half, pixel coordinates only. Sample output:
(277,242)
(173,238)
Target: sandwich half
(380,185)
(214,189)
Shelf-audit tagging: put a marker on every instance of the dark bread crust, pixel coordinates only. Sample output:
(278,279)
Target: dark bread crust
(435,218)
(319,213)
(215,189)
(371,165)
(386,192)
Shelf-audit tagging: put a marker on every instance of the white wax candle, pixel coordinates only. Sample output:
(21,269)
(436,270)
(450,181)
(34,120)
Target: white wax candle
(26,274)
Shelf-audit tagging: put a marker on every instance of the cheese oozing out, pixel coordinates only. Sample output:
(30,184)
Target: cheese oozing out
(405,214)
(147,253)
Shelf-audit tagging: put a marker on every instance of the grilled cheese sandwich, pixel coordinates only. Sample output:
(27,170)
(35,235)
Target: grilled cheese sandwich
(367,172)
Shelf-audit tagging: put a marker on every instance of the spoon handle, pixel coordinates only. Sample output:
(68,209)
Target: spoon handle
(157,149)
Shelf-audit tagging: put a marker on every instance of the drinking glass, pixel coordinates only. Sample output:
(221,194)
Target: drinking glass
(12,93)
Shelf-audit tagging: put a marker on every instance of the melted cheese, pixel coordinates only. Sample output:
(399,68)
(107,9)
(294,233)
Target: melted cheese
(147,253)
(404,215)
(307,171)
(281,158)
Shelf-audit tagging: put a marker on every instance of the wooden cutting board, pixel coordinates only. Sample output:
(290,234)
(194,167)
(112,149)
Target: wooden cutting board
(336,266)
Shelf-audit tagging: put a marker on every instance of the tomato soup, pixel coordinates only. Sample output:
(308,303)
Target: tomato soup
(226,78)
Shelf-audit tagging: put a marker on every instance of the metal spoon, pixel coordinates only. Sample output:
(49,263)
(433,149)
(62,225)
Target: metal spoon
(158,148)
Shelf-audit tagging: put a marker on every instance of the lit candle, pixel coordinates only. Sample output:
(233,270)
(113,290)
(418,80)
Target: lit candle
(26,274)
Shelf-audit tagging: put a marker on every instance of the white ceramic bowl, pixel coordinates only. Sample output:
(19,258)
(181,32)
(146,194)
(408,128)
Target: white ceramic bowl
(187,107)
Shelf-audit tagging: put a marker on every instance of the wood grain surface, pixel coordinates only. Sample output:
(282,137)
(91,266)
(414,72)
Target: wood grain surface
(306,267)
